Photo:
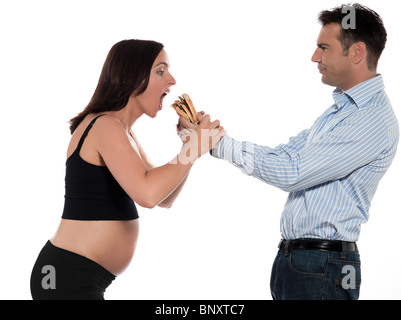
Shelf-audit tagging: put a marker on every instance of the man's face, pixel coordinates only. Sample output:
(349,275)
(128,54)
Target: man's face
(334,66)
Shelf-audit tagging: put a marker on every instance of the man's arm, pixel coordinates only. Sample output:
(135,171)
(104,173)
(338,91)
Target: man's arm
(354,142)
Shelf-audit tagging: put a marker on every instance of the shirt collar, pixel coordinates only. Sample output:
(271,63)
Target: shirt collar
(361,93)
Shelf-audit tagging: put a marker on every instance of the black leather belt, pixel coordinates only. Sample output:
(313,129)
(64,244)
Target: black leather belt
(316,244)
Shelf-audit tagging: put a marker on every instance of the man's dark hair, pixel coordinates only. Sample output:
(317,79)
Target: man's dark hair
(369,29)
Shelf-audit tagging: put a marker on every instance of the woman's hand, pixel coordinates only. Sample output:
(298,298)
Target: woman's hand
(185,124)
(199,139)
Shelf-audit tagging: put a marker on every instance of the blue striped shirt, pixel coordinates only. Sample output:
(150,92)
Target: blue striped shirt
(331,170)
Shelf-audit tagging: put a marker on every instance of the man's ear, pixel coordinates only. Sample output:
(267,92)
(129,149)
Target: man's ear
(358,52)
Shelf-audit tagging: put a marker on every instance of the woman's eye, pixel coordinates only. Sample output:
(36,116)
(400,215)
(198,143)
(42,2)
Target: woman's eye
(160,72)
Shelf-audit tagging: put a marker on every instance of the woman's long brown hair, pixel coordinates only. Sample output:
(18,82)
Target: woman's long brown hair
(125,72)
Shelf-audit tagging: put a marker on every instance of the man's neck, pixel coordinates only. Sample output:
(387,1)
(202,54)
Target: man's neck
(361,77)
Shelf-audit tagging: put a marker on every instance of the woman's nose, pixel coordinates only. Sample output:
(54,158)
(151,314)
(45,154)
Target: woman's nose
(172,81)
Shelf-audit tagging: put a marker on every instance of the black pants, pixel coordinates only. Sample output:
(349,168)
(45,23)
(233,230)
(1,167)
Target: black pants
(60,274)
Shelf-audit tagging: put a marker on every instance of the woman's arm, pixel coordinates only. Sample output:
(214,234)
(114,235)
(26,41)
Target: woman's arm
(168,202)
(149,187)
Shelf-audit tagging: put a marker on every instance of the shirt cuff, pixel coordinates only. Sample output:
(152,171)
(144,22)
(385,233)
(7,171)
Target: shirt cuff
(238,153)
(224,149)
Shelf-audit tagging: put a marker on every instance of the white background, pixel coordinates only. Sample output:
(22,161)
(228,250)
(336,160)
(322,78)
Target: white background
(247,64)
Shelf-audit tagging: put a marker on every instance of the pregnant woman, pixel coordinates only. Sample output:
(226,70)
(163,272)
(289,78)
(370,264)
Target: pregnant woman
(108,173)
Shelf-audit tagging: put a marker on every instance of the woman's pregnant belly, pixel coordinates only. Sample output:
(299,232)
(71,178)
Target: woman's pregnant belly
(109,243)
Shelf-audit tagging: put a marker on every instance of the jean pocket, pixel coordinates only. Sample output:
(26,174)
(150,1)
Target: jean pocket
(347,279)
(308,263)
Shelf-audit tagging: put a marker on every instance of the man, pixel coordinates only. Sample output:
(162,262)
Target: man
(331,170)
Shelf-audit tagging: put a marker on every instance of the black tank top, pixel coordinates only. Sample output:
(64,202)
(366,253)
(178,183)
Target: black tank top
(92,193)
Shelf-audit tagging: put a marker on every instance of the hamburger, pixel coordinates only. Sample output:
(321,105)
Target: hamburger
(185,108)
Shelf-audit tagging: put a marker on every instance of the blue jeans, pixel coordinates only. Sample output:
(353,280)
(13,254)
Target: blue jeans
(315,275)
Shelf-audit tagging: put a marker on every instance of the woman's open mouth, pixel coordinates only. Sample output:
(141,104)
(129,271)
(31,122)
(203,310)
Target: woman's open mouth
(162,98)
